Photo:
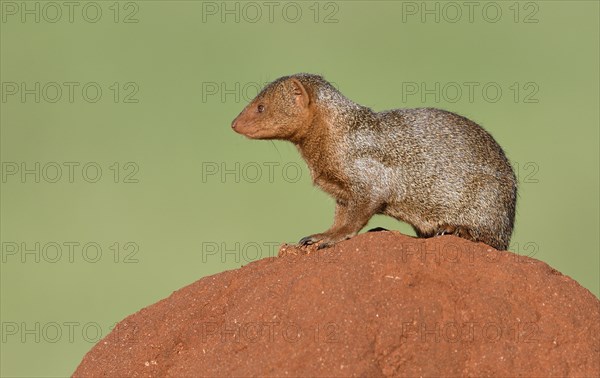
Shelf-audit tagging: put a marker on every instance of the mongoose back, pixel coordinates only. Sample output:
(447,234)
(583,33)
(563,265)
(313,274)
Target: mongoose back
(436,170)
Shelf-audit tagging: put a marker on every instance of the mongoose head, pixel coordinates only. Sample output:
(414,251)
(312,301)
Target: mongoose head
(282,110)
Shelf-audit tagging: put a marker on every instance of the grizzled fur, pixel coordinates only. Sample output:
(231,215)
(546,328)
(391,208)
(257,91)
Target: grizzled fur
(433,169)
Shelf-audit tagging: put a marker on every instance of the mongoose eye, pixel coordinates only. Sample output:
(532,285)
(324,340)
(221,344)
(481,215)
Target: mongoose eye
(261,108)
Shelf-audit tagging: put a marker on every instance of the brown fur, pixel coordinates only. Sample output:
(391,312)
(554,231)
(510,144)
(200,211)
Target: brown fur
(433,169)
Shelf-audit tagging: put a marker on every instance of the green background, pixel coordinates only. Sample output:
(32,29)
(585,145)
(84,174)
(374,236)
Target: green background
(177,212)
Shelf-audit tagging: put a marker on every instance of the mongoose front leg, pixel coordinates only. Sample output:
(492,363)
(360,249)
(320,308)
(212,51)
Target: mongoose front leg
(350,218)
(341,211)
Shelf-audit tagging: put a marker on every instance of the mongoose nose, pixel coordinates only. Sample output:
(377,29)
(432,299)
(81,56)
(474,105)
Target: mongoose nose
(233,124)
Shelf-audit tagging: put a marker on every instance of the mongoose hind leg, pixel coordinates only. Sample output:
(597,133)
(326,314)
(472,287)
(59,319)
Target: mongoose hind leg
(474,235)
(460,231)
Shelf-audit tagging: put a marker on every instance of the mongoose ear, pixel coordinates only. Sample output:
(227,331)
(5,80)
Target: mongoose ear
(300,95)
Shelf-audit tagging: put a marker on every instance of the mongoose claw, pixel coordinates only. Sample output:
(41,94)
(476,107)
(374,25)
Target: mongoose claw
(308,240)
(323,240)
(305,241)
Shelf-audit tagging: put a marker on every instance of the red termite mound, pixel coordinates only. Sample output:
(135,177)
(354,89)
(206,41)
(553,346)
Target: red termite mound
(379,304)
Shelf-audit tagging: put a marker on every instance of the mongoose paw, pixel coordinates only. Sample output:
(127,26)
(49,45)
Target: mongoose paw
(460,231)
(310,239)
(331,240)
(445,229)
(325,240)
